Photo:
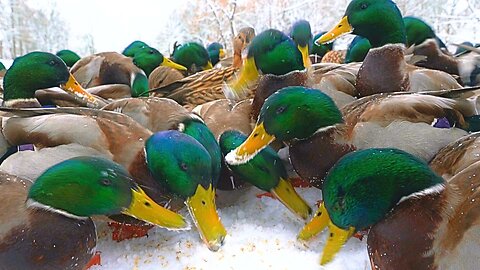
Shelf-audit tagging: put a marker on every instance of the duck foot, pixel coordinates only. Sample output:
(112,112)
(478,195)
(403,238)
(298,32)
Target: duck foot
(266,194)
(95,260)
(300,183)
(122,231)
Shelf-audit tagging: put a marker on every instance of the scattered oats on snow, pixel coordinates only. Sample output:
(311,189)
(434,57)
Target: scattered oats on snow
(261,235)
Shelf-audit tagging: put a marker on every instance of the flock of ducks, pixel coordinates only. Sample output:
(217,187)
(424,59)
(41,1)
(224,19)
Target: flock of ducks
(385,130)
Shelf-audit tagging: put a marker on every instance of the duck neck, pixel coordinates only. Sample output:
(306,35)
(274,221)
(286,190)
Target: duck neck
(390,36)
(139,84)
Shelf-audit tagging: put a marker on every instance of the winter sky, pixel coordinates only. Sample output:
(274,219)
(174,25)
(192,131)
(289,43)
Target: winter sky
(114,24)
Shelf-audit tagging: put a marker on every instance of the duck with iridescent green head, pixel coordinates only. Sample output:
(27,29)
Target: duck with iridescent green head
(357,50)
(180,163)
(39,70)
(113,76)
(68,56)
(47,224)
(321,49)
(382,24)
(193,56)
(271,52)
(267,172)
(301,34)
(148,58)
(215,52)
(168,164)
(134,47)
(318,133)
(416,218)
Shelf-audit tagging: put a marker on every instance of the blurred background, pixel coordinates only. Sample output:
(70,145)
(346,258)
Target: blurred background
(90,26)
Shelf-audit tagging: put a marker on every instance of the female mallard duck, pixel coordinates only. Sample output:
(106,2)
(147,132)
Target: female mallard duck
(382,24)
(173,168)
(267,172)
(49,225)
(68,56)
(117,74)
(193,56)
(39,70)
(204,86)
(216,52)
(134,47)
(417,219)
(319,134)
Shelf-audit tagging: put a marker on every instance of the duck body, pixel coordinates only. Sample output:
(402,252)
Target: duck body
(445,229)
(38,239)
(110,68)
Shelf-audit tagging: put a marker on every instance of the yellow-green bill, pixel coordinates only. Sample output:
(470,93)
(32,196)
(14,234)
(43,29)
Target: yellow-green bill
(286,194)
(144,208)
(342,28)
(319,222)
(305,56)
(257,140)
(169,63)
(204,213)
(248,75)
(336,239)
(74,88)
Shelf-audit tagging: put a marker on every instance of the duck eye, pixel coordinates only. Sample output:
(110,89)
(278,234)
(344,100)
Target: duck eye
(52,63)
(106,182)
(151,52)
(281,109)
(364,6)
(183,166)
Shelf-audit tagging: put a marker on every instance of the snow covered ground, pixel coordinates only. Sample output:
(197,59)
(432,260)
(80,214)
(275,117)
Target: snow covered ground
(261,235)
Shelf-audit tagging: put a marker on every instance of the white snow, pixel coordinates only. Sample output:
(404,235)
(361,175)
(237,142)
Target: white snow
(261,235)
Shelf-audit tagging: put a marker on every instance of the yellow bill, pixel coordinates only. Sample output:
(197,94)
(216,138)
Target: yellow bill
(316,225)
(248,75)
(342,28)
(286,194)
(305,56)
(208,66)
(204,213)
(336,239)
(144,208)
(74,88)
(258,139)
(222,53)
(169,63)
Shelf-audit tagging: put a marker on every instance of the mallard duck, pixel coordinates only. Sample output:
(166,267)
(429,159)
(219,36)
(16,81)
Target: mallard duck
(382,24)
(301,34)
(134,47)
(271,52)
(38,70)
(267,172)
(47,225)
(68,56)
(207,85)
(116,71)
(216,52)
(193,56)
(163,76)
(319,134)
(148,58)
(417,219)
(173,168)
